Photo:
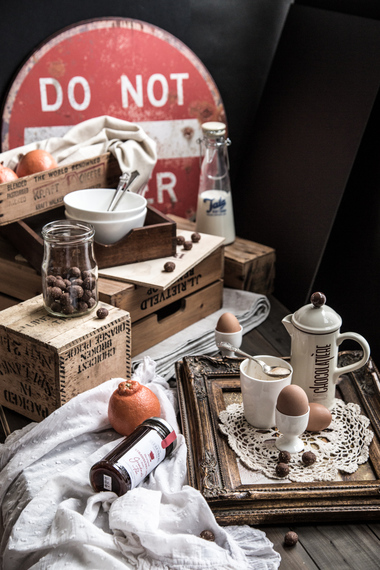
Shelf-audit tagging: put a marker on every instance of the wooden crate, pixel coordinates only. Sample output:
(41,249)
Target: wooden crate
(170,312)
(46,361)
(173,318)
(142,301)
(157,238)
(247,265)
(30,195)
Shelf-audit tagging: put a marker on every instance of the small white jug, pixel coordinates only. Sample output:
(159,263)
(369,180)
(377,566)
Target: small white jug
(315,334)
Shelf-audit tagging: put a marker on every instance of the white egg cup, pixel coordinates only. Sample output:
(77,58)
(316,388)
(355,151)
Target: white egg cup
(234,338)
(291,428)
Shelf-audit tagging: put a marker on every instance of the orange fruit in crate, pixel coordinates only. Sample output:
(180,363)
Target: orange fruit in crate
(35,161)
(130,404)
(6,174)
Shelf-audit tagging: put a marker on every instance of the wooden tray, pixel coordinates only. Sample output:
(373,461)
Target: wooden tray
(156,239)
(208,385)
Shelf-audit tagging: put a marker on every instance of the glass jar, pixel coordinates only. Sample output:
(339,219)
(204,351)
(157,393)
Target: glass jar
(215,210)
(69,268)
(134,457)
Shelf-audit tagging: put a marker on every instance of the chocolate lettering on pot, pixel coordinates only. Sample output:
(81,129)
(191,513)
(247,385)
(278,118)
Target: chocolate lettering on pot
(321,369)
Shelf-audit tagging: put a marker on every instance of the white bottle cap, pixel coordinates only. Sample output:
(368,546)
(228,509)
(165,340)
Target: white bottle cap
(214,128)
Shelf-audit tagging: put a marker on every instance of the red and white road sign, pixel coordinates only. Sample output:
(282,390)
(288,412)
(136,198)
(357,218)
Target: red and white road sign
(130,70)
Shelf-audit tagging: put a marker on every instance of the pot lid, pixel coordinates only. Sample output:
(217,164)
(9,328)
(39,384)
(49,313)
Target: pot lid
(317,317)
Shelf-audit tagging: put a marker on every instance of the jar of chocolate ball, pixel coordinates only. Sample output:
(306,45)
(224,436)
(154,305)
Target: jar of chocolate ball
(69,268)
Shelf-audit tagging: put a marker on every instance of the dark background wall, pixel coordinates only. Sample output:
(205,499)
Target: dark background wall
(237,41)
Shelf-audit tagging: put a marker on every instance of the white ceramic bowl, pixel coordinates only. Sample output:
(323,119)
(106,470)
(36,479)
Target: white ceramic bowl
(111,231)
(92,204)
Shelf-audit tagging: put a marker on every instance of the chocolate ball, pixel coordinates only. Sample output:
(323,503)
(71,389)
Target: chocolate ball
(308,458)
(102,313)
(169,266)
(282,469)
(180,240)
(284,457)
(290,538)
(207,535)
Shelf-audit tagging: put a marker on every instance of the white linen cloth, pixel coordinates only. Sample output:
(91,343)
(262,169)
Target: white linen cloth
(250,309)
(51,517)
(128,142)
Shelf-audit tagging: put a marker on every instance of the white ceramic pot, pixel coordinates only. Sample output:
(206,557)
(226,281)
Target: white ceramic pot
(315,334)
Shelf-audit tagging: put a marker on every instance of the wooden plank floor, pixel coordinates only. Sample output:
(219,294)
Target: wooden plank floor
(328,546)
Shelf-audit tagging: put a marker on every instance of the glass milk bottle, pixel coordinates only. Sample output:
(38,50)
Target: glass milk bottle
(214,210)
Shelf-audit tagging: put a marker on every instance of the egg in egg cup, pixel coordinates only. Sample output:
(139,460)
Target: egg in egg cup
(228,329)
(291,427)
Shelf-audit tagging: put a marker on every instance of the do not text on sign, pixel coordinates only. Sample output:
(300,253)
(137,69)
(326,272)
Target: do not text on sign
(130,70)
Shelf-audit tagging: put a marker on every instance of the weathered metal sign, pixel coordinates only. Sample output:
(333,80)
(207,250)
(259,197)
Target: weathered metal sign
(130,70)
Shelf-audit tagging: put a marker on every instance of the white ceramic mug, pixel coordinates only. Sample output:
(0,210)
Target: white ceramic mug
(260,392)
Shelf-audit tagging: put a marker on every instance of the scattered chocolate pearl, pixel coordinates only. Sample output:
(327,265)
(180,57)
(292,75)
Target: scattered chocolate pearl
(102,313)
(169,266)
(195,237)
(207,535)
(308,458)
(284,457)
(180,240)
(187,245)
(282,469)
(290,538)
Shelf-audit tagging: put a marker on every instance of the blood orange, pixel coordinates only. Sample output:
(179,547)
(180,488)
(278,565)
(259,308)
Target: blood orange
(130,404)
(35,161)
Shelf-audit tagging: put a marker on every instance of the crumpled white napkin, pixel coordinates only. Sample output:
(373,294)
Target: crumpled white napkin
(128,142)
(251,309)
(51,517)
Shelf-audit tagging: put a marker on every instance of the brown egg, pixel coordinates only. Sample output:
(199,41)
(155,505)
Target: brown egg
(319,418)
(292,401)
(228,323)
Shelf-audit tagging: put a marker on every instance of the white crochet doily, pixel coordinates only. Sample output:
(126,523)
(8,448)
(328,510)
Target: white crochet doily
(343,446)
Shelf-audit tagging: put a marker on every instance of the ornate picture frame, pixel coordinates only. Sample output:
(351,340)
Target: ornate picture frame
(204,386)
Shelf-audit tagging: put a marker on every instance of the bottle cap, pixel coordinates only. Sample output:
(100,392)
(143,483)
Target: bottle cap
(214,128)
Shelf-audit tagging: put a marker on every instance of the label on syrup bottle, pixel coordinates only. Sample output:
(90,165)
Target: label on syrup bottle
(143,457)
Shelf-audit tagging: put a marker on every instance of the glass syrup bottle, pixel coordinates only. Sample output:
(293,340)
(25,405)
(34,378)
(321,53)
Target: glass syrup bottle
(215,210)
(134,457)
